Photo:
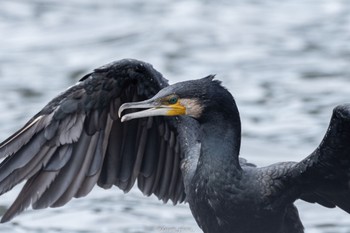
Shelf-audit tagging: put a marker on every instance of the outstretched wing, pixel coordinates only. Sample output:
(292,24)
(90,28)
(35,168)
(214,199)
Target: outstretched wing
(77,140)
(324,176)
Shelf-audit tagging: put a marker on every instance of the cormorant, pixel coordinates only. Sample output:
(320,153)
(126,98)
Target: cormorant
(183,147)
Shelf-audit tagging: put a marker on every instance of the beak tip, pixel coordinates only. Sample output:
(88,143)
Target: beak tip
(148,104)
(120,110)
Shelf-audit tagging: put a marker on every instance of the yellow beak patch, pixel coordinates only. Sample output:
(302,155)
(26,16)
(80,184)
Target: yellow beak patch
(176,109)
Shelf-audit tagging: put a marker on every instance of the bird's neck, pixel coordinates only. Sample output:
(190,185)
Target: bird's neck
(220,141)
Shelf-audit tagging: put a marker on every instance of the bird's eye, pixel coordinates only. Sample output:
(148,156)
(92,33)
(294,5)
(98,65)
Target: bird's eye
(173,100)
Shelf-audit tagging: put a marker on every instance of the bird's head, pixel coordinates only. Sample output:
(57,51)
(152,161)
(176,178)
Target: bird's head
(191,98)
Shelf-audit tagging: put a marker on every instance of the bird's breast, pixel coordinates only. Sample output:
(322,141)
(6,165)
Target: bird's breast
(222,203)
(213,201)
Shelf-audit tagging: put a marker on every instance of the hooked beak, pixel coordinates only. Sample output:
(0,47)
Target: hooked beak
(153,108)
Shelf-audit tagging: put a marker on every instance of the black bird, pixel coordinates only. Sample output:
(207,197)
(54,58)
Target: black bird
(183,147)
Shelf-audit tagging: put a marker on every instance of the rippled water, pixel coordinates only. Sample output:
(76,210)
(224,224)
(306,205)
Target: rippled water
(286,62)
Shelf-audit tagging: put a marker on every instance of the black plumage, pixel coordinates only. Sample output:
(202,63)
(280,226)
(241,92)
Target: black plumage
(78,141)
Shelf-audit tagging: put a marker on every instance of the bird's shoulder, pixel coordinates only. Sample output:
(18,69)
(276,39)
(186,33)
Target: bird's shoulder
(271,181)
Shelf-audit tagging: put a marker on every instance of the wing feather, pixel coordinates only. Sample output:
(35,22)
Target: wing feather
(78,141)
(139,155)
(151,151)
(96,165)
(324,176)
(24,156)
(85,154)
(174,175)
(29,170)
(166,176)
(159,170)
(21,137)
(31,191)
(113,157)
(67,174)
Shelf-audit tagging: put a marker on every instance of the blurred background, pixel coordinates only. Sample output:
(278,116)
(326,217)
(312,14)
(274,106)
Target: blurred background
(286,63)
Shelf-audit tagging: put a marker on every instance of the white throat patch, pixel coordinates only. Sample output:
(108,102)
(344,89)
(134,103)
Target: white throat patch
(193,107)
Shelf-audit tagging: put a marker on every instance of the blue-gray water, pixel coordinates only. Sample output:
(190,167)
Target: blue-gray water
(286,62)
